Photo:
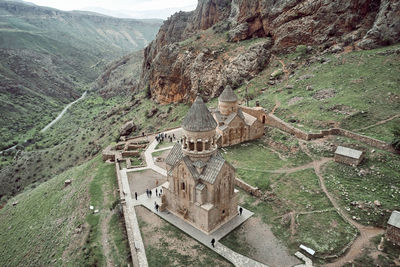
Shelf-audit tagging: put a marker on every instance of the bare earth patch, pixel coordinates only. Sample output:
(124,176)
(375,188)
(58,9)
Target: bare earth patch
(141,180)
(267,248)
(168,246)
(294,100)
(160,159)
(324,94)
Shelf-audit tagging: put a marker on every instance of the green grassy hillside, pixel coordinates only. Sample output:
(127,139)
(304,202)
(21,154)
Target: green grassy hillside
(49,57)
(52,224)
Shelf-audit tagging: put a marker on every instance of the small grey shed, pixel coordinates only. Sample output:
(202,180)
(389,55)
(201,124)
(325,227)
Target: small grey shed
(348,156)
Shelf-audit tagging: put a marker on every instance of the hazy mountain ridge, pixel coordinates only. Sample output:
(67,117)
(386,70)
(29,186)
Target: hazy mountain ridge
(52,56)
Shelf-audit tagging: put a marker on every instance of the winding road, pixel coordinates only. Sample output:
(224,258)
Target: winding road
(62,113)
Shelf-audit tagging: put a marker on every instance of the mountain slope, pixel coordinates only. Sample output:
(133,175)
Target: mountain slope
(198,46)
(48,57)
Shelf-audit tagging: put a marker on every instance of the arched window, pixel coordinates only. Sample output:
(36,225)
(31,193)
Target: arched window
(183,186)
(263,120)
(191,146)
(199,146)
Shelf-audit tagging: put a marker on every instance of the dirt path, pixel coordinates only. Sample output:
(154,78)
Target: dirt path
(105,239)
(366,232)
(379,122)
(277,105)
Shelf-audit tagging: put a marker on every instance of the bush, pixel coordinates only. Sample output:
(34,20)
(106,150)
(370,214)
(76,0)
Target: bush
(301,50)
(396,138)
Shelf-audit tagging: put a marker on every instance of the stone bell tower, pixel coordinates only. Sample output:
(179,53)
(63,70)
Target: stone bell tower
(199,135)
(227,101)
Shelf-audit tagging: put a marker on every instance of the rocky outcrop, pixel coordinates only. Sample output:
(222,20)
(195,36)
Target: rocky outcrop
(173,73)
(386,28)
(127,128)
(120,77)
(179,76)
(291,23)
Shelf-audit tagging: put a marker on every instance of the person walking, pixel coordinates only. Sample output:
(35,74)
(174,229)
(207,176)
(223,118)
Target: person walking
(240,211)
(150,193)
(213,242)
(147,192)
(156,192)
(135,195)
(157,207)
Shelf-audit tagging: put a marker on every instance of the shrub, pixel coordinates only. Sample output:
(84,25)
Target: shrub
(301,50)
(396,138)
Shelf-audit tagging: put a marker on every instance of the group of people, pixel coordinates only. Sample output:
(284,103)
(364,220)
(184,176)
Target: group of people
(149,192)
(161,136)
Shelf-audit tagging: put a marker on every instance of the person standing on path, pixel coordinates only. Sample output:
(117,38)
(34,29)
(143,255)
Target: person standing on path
(156,182)
(156,192)
(213,242)
(135,195)
(150,192)
(240,211)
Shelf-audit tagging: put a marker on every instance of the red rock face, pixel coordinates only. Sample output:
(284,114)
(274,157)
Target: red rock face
(173,75)
(310,22)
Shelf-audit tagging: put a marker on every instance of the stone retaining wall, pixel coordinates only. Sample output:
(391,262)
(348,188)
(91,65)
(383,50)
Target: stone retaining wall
(130,154)
(129,231)
(254,191)
(274,121)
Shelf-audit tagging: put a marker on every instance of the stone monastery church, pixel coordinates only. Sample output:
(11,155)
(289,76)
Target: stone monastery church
(200,182)
(235,123)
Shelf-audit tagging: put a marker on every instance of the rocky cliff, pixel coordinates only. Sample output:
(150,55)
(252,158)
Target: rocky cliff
(206,49)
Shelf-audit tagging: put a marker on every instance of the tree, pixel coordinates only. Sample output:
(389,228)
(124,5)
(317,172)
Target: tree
(396,138)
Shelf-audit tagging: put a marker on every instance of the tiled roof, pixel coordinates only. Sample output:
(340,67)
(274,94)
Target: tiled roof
(213,169)
(394,219)
(249,119)
(174,155)
(200,186)
(227,95)
(348,152)
(199,118)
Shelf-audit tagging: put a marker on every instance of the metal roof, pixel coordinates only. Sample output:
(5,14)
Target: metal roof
(394,219)
(348,152)
(199,118)
(228,95)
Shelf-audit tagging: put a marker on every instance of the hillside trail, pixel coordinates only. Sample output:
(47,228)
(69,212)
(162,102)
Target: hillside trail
(379,122)
(277,105)
(366,232)
(105,237)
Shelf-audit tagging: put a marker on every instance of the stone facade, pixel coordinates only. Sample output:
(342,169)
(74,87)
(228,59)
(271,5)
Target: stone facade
(393,234)
(200,183)
(393,228)
(237,124)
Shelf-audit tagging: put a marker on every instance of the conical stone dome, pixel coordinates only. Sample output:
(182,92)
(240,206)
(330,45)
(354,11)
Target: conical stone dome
(199,118)
(228,95)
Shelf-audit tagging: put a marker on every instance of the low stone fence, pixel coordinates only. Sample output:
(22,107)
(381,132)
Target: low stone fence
(254,191)
(130,154)
(135,146)
(274,121)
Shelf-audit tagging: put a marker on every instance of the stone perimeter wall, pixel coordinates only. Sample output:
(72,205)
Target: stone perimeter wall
(274,121)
